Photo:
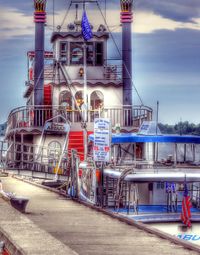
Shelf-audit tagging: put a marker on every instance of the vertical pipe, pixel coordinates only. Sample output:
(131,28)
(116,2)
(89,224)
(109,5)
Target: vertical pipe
(193,152)
(22,151)
(175,154)
(85,99)
(40,19)
(184,153)
(126,20)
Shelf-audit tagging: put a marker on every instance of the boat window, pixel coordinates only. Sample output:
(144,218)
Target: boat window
(66,99)
(99,53)
(54,150)
(63,52)
(79,101)
(96,100)
(90,54)
(76,50)
(94,53)
(96,103)
(79,98)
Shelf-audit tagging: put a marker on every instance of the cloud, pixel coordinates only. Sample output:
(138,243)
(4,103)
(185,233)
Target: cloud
(147,18)
(148,22)
(14,23)
(177,10)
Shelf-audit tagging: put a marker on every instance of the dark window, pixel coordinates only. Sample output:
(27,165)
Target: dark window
(63,52)
(94,53)
(90,54)
(76,51)
(99,54)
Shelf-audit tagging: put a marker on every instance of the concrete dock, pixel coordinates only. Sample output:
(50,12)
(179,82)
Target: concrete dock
(53,224)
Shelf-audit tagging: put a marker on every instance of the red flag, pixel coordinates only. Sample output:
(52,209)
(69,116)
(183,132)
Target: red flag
(186,205)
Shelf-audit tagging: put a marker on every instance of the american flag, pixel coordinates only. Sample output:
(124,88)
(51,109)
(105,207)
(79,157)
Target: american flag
(186,205)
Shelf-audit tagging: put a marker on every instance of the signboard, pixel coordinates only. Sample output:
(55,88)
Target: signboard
(56,127)
(102,140)
(149,128)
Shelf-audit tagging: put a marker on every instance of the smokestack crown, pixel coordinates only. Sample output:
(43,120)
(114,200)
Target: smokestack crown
(40,5)
(40,14)
(126,5)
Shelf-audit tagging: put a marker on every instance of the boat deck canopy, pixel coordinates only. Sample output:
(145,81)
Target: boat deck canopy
(136,138)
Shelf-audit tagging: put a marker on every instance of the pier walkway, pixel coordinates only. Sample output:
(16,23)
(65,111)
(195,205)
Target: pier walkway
(66,227)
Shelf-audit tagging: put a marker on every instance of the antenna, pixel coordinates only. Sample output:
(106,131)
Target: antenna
(76,6)
(53,15)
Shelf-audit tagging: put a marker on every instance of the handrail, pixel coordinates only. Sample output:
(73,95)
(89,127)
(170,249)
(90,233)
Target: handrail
(35,116)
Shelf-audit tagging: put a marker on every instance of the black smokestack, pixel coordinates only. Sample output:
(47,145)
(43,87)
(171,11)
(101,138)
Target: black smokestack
(126,20)
(40,19)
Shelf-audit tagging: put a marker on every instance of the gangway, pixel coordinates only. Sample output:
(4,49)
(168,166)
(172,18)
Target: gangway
(46,129)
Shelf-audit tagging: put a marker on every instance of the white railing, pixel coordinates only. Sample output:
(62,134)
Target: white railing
(35,117)
(113,72)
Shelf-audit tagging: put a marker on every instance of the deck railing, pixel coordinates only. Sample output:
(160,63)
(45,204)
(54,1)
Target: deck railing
(35,117)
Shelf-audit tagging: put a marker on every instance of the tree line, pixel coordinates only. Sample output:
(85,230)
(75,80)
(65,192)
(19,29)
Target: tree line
(181,128)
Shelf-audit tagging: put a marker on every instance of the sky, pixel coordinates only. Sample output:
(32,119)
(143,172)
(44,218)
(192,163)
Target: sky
(166,51)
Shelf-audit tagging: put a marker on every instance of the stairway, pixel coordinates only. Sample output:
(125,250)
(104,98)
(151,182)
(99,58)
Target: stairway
(76,142)
(47,95)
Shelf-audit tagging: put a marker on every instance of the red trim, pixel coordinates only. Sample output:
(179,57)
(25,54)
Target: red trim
(39,17)
(47,54)
(126,17)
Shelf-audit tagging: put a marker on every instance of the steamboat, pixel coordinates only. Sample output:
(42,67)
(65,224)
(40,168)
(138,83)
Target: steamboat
(80,128)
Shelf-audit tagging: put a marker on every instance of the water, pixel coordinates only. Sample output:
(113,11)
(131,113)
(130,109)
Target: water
(166,150)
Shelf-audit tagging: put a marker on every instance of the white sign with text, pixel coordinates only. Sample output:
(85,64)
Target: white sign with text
(102,140)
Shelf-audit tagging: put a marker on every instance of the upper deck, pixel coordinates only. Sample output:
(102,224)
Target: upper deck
(30,119)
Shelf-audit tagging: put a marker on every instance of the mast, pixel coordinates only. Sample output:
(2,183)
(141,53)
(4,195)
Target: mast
(39,19)
(87,35)
(126,20)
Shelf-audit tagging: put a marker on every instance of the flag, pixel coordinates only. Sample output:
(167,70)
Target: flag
(170,187)
(86,28)
(186,205)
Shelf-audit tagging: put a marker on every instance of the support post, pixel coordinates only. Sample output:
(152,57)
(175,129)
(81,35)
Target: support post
(22,151)
(85,105)
(175,154)
(184,153)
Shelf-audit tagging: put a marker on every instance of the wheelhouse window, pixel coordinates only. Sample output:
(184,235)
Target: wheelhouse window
(94,53)
(90,54)
(99,54)
(76,50)
(63,52)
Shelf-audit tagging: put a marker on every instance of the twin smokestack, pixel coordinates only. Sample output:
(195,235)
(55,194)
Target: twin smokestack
(126,17)
(126,20)
(39,19)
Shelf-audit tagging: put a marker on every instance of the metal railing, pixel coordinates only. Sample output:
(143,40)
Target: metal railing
(36,116)
(33,157)
(113,72)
